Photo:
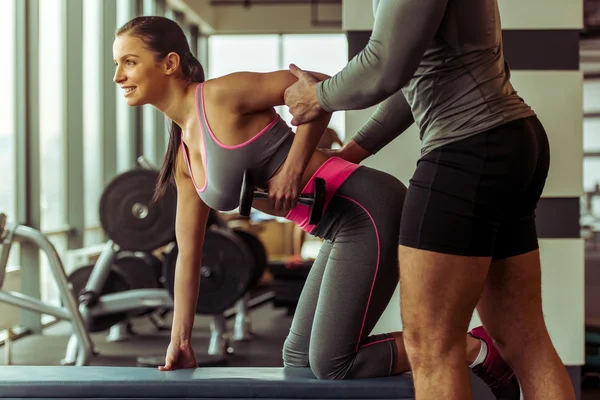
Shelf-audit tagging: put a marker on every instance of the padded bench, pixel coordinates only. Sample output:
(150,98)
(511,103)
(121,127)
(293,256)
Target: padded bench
(97,382)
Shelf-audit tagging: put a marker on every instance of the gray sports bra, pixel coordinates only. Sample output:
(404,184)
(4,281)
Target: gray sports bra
(224,165)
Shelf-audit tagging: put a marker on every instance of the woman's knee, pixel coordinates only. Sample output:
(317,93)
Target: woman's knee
(328,368)
(376,357)
(293,355)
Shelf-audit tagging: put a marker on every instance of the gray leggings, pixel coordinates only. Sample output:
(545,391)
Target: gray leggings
(350,283)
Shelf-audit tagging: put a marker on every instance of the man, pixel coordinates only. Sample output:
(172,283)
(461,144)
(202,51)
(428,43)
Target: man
(467,236)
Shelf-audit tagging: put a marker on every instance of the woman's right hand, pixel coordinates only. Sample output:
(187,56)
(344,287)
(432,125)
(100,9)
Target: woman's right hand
(179,356)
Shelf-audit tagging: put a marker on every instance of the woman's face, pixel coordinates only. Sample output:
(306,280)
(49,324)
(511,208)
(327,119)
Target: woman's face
(136,71)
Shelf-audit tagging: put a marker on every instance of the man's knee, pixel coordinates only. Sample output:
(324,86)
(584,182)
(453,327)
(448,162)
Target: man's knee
(511,342)
(510,306)
(430,343)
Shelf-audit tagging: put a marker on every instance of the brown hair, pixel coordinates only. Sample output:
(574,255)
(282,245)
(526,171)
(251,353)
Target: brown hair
(163,36)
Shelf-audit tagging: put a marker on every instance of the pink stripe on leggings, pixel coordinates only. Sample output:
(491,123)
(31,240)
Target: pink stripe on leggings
(378,341)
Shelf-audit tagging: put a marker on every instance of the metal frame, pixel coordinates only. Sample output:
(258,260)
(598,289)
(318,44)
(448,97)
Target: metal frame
(108,91)
(135,118)
(72,36)
(27,139)
(153,136)
(160,122)
(10,233)
(128,118)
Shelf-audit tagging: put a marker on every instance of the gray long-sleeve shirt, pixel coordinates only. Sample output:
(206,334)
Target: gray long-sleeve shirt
(438,63)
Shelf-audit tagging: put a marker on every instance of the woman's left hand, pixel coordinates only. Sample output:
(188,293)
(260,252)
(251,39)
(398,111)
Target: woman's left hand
(284,190)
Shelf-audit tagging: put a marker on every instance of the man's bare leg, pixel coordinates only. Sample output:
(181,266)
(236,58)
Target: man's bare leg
(510,308)
(438,294)
(473,347)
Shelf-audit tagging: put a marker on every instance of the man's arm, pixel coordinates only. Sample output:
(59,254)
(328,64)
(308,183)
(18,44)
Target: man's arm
(402,31)
(391,118)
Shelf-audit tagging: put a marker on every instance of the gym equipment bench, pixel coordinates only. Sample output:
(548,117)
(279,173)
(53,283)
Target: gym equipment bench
(61,382)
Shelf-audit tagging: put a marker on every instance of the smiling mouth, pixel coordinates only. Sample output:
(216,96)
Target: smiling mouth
(128,90)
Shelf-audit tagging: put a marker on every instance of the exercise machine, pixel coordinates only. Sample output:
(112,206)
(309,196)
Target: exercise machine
(109,297)
(14,232)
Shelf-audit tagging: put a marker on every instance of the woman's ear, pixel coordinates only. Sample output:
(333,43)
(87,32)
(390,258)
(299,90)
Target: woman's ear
(172,62)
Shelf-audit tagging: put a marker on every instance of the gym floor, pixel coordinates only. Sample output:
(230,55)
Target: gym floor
(269,324)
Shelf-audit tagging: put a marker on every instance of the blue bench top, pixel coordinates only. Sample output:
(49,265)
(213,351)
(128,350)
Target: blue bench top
(102,382)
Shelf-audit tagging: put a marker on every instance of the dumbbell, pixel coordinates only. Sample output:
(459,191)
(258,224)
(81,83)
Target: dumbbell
(316,200)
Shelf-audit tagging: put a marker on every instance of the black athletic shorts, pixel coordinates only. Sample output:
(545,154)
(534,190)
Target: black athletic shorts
(477,196)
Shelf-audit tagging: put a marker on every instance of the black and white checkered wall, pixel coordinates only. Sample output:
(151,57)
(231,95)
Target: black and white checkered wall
(541,45)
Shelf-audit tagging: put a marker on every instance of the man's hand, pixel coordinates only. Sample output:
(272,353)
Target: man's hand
(301,97)
(350,152)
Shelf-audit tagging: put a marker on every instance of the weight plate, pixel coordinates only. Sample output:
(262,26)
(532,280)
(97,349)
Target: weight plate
(224,271)
(115,282)
(259,253)
(129,219)
(141,270)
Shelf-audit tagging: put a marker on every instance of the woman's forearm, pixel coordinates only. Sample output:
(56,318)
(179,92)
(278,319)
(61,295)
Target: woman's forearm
(305,143)
(187,283)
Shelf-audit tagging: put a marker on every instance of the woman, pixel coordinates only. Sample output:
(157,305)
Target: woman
(222,127)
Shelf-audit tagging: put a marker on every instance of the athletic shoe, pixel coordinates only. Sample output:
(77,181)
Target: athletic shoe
(494,371)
